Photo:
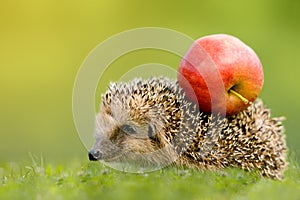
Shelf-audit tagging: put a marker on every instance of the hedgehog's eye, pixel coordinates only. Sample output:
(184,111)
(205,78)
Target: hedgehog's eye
(128,129)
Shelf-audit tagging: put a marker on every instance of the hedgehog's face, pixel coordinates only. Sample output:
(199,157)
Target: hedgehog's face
(118,134)
(131,127)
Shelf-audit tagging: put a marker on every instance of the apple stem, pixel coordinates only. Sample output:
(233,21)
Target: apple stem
(246,101)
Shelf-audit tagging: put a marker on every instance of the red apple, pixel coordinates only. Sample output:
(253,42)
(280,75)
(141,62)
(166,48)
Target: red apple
(221,74)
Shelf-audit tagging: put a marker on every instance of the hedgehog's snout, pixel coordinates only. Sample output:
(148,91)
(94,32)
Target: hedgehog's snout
(94,155)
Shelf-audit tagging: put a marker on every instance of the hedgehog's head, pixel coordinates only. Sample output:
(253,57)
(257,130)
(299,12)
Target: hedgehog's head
(137,122)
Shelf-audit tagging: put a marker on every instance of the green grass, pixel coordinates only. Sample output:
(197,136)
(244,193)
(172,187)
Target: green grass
(86,180)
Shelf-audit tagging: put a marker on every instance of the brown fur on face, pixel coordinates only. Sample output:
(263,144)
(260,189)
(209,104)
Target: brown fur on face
(150,123)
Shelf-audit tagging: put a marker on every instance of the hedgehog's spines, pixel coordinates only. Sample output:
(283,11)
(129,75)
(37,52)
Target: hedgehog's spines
(250,139)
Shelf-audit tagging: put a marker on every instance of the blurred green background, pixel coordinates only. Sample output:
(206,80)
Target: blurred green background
(43,43)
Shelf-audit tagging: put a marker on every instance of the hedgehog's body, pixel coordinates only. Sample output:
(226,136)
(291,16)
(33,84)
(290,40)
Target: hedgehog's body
(151,122)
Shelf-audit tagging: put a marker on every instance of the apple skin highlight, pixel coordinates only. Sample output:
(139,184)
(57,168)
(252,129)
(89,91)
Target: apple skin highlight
(221,74)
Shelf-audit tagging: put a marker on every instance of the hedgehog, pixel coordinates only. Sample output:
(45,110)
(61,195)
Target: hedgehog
(151,122)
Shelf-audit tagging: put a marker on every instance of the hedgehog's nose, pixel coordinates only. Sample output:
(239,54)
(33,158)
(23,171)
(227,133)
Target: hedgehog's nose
(94,155)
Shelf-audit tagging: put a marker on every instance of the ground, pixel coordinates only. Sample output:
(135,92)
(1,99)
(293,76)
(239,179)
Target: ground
(80,179)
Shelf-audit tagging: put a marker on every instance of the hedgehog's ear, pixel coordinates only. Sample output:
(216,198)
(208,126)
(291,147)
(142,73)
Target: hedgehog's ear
(151,132)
